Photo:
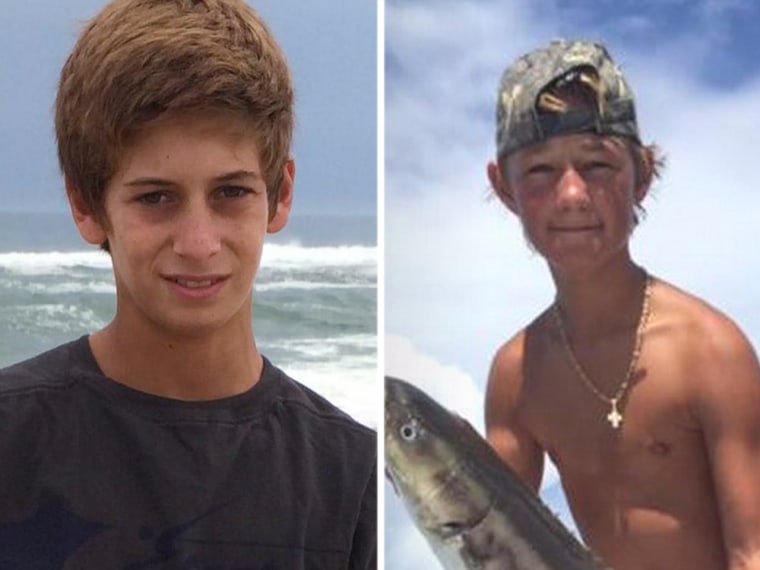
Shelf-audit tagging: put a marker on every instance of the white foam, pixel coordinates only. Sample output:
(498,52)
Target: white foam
(310,285)
(296,256)
(328,347)
(275,256)
(353,389)
(58,317)
(98,287)
(53,262)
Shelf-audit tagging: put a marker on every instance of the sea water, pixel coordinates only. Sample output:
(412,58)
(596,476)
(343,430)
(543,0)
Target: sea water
(315,299)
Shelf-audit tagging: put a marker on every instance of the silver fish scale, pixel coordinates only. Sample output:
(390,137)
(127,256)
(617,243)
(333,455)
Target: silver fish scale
(475,512)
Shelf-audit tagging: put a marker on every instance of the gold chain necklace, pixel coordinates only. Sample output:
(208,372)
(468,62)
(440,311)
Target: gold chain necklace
(614,416)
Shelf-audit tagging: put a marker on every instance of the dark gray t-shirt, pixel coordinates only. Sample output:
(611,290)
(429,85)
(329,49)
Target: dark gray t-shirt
(97,476)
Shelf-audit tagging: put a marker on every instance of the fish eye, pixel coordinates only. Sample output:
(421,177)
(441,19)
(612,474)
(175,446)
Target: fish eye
(408,431)
(452,528)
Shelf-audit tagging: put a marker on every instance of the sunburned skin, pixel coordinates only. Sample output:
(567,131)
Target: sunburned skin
(659,463)
(676,485)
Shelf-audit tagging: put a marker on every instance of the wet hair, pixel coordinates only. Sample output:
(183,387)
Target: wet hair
(139,60)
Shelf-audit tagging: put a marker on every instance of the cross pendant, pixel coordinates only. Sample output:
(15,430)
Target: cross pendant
(614,417)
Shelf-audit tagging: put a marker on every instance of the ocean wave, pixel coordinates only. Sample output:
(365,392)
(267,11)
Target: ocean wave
(310,285)
(99,287)
(292,256)
(58,317)
(275,256)
(53,262)
(354,386)
(361,347)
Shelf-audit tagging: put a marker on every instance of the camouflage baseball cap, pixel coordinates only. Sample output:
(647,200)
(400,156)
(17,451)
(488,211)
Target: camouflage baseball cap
(518,120)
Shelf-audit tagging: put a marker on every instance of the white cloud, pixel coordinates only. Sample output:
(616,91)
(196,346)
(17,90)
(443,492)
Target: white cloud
(459,278)
(454,389)
(451,387)
(406,548)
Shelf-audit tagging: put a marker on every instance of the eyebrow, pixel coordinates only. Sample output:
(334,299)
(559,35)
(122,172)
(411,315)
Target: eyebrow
(238,174)
(226,177)
(591,143)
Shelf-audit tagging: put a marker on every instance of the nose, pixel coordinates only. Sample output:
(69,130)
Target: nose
(572,190)
(196,234)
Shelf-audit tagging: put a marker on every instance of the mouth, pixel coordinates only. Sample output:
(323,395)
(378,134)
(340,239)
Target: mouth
(576,228)
(196,285)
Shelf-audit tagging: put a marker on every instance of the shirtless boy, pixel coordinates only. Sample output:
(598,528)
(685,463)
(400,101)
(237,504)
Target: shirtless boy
(166,440)
(646,398)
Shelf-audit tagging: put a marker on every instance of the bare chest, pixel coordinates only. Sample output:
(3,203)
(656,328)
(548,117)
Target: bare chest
(641,493)
(641,433)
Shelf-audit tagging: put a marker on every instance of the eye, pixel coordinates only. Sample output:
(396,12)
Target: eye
(409,431)
(452,528)
(598,167)
(153,198)
(539,168)
(234,191)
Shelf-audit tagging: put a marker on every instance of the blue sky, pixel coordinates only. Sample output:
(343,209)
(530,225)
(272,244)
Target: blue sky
(331,47)
(459,279)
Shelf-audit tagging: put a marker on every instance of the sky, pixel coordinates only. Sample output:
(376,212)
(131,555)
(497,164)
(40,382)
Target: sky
(459,279)
(335,144)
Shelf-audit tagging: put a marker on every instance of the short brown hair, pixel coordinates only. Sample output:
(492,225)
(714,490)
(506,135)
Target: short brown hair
(139,59)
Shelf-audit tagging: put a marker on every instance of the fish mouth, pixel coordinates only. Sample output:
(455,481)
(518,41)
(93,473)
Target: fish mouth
(389,477)
(454,528)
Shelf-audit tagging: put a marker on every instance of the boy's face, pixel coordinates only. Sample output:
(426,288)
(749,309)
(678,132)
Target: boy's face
(574,194)
(185,219)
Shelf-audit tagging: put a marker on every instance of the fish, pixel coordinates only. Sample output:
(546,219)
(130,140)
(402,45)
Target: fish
(473,509)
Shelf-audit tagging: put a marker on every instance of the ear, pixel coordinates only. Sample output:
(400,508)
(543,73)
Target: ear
(500,186)
(279,217)
(645,170)
(91,230)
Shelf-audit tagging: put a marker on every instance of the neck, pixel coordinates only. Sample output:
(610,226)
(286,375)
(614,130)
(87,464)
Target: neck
(598,302)
(208,366)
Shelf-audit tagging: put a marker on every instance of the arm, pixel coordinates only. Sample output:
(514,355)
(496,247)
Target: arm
(728,407)
(509,438)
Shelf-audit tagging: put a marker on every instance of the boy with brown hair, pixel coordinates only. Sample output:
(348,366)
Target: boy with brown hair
(645,398)
(166,440)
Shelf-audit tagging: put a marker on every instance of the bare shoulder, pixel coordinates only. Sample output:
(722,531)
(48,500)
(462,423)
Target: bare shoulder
(722,379)
(506,431)
(718,353)
(506,367)
(697,326)
(506,376)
